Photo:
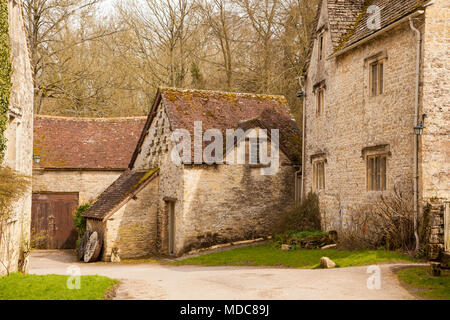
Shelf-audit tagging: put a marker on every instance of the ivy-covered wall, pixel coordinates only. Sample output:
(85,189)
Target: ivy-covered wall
(5,73)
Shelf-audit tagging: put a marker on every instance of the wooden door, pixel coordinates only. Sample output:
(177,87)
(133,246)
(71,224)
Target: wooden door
(171,209)
(52,225)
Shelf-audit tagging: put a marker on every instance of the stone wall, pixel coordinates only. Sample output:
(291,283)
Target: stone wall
(224,203)
(133,228)
(21,127)
(435,160)
(88,183)
(353,120)
(155,153)
(435,247)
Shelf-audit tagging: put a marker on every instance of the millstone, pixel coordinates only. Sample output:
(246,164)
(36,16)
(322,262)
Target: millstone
(93,247)
(82,246)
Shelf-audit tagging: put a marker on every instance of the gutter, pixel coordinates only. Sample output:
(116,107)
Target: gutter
(416,137)
(376,34)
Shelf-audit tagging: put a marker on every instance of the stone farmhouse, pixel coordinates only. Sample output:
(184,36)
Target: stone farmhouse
(19,134)
(377,113)
(161,206)
(75,159)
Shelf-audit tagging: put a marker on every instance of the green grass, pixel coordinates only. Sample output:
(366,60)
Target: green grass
(52,287)
(267,255)
(423,284)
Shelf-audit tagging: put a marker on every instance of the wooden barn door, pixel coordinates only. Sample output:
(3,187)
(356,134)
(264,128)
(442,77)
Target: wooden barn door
(52,225)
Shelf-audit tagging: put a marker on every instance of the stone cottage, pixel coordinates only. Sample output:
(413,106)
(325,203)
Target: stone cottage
(19,135)
(377,113)
(163,206)
(75,159)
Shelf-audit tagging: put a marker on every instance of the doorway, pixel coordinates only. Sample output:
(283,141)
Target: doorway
(52,225)
(171,226)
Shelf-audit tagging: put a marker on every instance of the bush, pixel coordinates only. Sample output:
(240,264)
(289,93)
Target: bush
(305,217)
(309,239)
(388,223)
(80,222)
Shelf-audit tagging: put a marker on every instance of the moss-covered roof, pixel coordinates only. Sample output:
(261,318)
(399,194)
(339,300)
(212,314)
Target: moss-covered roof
(118,192)
(215,109)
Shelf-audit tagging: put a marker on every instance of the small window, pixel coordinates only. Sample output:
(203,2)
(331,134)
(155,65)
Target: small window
(321,47)
(253,150)
(376,78)
(376,173)
(319,100)
(319,175)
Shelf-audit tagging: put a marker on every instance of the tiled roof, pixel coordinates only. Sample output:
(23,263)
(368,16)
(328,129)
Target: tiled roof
(348,19)
(342,15)
(216,110)
(85,143)
(118,193)
(391,11)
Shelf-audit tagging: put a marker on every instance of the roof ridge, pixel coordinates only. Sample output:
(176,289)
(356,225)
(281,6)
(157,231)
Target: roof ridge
(105,119)
(243,94)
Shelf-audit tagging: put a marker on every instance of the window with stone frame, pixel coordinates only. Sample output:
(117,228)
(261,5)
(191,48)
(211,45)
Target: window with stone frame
(376,78)
(321,44)
(319,100)
(319,175)
(376,172)
(252,150)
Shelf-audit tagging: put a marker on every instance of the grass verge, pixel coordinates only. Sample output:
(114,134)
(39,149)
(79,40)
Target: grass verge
(267,255)
(421,283)
(53,287)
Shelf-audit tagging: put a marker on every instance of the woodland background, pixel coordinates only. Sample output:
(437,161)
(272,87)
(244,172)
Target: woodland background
(89,63)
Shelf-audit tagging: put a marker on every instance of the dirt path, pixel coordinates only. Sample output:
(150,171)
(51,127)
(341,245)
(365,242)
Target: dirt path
(156,281)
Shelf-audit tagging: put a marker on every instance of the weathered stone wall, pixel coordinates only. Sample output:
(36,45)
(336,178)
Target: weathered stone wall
(88,183)
(21,108)
(155,152)
(353,120)
(435,245)
(224,203)
(435,160)
(133,228)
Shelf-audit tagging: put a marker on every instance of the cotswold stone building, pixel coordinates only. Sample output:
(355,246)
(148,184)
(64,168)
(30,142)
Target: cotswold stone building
(75,159)
(161,206)
(374,73)
(19,134)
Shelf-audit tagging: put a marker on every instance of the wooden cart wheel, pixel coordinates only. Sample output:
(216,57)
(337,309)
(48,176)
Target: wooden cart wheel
(93,247)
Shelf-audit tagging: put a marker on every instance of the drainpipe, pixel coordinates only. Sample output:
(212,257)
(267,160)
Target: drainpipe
(416,137)
(303,85)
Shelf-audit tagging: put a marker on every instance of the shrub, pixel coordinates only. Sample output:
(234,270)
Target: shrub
(80,222)
(302,239)
(388,222)
(305,217)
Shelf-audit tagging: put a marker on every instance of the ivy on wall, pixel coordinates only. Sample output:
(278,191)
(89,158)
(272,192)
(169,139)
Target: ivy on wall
(5,73)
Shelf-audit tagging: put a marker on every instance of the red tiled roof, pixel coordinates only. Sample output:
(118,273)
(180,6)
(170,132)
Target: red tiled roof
(85,143)
(216,110)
